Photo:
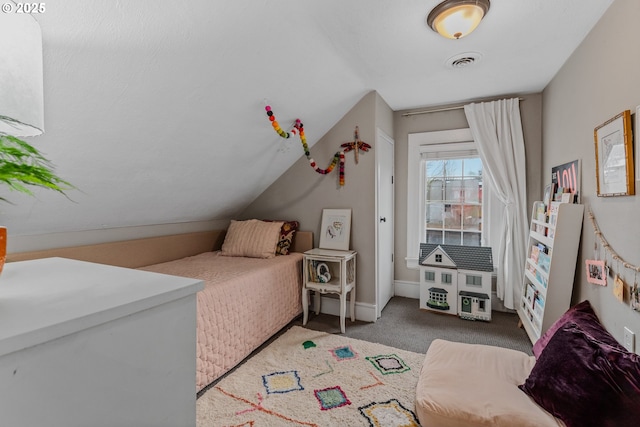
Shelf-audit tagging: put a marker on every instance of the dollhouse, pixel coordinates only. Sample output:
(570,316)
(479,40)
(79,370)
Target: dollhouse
(456,279)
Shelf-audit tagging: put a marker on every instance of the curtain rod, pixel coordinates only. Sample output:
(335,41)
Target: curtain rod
(437,110)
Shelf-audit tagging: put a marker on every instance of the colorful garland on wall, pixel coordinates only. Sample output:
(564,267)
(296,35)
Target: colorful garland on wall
(298,128)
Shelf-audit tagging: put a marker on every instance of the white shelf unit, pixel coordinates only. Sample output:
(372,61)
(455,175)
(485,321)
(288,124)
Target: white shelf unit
(547,286)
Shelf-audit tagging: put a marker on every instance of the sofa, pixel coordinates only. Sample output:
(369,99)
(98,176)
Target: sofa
(579,376)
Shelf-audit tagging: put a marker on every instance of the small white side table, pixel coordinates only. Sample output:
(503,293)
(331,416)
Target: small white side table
(341,266)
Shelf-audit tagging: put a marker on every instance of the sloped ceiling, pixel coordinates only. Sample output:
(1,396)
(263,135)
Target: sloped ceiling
(154,110)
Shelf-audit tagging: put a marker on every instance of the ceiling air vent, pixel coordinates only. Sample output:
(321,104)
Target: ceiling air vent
(463,60)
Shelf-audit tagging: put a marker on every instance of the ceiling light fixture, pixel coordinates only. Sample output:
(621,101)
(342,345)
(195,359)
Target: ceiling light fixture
(455,19)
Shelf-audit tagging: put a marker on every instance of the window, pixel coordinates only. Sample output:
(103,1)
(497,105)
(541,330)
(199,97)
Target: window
(446,192)
(429,276)
(438,257)
(452,197)
(445,278)
(474,280)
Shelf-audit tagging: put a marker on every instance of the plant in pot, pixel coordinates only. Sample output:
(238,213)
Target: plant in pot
(23,166)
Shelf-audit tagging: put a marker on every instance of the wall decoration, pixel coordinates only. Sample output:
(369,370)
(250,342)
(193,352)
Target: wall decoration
(356,145)
(619,263)
(637,143)
(595,272)
(566,176)
(335,229)
(614,156)
(298,128)
(635,297)
(618,288)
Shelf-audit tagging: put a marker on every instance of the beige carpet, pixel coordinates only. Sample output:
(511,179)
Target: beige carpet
(311,378)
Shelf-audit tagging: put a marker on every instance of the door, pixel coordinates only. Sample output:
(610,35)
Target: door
(384,218)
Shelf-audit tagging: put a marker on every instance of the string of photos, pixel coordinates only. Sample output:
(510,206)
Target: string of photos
(598,270)
(338,157)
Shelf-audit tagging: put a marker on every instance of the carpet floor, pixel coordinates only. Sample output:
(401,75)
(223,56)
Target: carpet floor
(312,378)
(404,325)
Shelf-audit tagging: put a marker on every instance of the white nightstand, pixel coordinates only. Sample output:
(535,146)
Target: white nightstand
(341,266)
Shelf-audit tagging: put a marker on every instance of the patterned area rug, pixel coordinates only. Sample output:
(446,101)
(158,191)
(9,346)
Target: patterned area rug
(310,378)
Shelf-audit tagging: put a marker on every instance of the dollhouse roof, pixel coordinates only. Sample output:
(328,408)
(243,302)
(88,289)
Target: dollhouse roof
(473,294)
(476,258)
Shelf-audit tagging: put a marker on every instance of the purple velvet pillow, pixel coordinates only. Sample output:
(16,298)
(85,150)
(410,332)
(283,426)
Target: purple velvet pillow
(586,382)
(583,315)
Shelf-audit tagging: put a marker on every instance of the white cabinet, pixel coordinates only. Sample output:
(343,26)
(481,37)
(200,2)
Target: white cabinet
(329,271)
(85,344)
(552,251)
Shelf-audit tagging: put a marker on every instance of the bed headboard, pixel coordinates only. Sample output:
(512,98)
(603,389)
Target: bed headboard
(153,250)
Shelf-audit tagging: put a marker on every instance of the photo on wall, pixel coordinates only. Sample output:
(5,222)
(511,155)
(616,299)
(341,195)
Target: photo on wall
(596,273)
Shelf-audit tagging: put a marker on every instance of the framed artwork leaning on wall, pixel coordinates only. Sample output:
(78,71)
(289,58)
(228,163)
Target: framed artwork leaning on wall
(335,229)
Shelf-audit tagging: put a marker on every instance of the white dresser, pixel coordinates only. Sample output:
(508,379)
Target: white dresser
(84,344)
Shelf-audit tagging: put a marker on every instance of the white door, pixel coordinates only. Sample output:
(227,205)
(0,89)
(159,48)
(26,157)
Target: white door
(384,218)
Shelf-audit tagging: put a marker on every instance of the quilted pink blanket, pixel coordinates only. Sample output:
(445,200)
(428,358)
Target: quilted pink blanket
(245,301)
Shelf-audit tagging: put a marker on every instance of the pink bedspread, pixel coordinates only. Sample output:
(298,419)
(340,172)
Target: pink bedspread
(245,301)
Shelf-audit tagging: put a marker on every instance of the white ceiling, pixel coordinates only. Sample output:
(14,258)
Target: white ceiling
(154,110)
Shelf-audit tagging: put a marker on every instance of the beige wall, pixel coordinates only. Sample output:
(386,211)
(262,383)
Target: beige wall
(301,194)
(531,114)
(597,82)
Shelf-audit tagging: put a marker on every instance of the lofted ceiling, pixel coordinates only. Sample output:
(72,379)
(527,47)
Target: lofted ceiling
(154,110)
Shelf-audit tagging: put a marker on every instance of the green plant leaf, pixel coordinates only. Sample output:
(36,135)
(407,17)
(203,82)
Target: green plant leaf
(22,166)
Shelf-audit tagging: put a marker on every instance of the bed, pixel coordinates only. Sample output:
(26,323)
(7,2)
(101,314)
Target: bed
(237,312)
(246,300)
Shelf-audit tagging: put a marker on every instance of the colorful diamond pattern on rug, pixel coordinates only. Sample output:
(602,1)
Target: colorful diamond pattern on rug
(331,398)
(336,392)
(282,382)
(388,364)
(344,353)
(389,414)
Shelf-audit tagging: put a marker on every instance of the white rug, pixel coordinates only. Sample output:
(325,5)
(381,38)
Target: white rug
(310,378)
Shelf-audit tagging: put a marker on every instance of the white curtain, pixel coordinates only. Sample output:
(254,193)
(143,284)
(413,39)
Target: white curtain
(497,131)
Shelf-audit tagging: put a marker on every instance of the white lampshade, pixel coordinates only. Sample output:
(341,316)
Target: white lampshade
(21,78)
(455,19)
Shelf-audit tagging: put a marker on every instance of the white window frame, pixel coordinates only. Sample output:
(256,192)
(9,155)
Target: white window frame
(460,139)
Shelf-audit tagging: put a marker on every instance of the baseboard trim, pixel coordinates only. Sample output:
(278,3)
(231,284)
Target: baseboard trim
(365,312)
(407,289)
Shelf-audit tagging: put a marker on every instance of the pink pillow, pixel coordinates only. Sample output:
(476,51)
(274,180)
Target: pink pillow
(583,315)
(252,238)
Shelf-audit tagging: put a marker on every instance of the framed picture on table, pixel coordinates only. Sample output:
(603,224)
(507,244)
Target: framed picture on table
(335,229)
(614,157)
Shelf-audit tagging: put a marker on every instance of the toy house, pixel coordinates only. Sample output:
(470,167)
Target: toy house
(456,279)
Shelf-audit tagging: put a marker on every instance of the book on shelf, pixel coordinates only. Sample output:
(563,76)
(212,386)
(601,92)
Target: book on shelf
(540,278)
(529,293)
(535,252)
(544,260)
(538,305)
(540,211)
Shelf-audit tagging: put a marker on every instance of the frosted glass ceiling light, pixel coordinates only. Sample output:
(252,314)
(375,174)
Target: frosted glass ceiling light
(455,19)
(21,81)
